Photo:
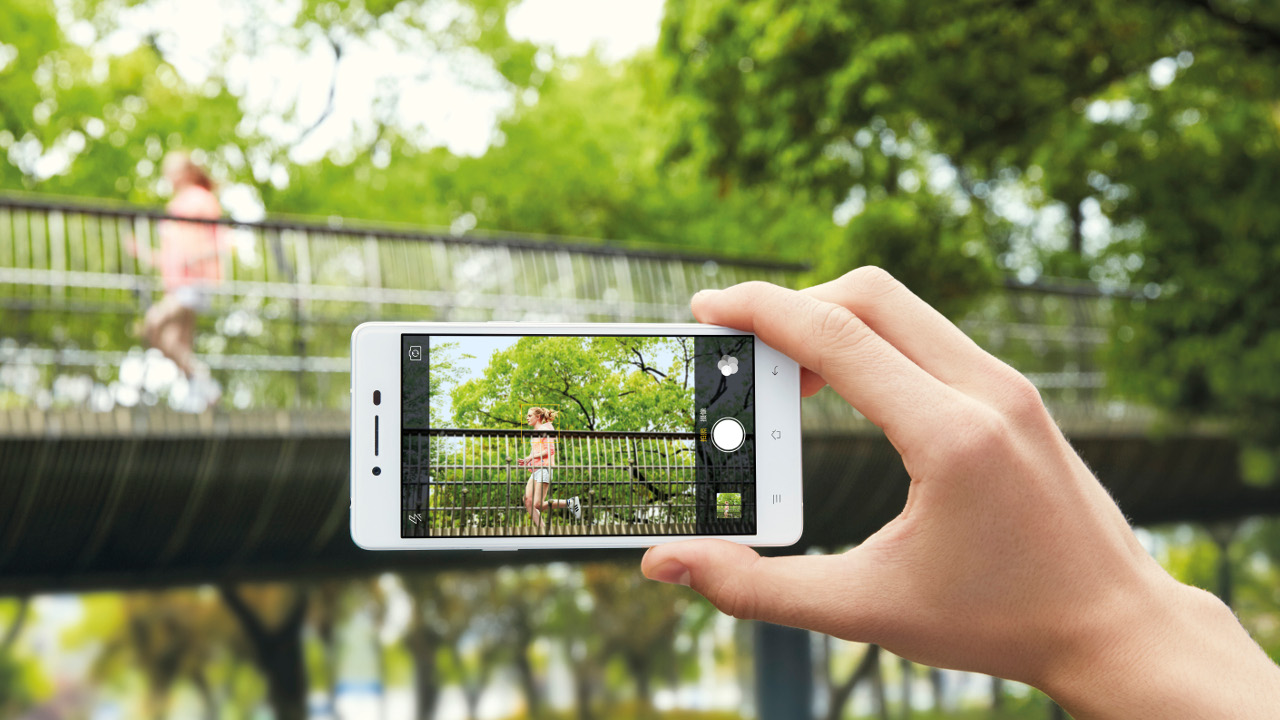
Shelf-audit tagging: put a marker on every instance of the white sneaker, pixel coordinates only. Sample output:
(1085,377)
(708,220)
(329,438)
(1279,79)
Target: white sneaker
(575,507)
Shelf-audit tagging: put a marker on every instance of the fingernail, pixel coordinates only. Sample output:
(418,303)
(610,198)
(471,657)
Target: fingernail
(671,571)
(704,294)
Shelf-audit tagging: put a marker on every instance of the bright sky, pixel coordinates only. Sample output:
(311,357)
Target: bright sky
(454,101)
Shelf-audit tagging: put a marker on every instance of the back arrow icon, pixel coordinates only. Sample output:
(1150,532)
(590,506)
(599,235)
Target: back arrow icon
(775,369)
(777,434)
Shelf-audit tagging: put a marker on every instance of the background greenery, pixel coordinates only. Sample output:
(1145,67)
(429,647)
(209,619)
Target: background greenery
(1133,145)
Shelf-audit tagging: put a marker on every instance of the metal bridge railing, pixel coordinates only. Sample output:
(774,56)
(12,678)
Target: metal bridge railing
(71,291)
(71,294)
(461,483)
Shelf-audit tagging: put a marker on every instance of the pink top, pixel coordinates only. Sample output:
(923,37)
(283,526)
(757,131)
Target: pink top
(189,251)
(544,451)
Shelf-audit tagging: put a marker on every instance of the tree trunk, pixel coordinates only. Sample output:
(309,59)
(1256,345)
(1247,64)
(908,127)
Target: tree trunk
(277,653)
(326,632)
(287,678)
(997,693)
(582,690)
(158,703)
(644,701)
(877,683)
(207,696)
(426,690)
(1077,226)
(908,675)
(528,683)
(839,694)
(936,684)
(15,628)
(1223,534)
(472,695)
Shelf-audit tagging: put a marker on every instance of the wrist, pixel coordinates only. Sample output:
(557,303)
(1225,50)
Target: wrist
(1164,649)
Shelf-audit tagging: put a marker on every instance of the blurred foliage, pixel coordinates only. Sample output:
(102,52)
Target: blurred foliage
(22,679)
(1134,145)
(1148,130)
(579,157)
(171,640)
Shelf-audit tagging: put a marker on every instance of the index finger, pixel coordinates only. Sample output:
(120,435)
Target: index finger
(829,339)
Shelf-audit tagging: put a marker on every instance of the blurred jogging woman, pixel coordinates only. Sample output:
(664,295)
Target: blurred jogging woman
(540,460)
(190,265)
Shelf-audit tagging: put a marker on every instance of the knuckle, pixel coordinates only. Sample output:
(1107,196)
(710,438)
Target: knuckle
(838,327)
(1019,399)
(738,599)
(981,435)
(736,595)
(753,288)
(872,280)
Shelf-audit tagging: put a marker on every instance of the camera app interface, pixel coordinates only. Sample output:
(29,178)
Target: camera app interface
(515,435)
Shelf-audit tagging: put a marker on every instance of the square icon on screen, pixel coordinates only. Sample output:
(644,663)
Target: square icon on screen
(728,505)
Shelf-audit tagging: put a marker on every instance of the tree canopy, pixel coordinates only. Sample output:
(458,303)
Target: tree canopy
(1135,145)
(600,383)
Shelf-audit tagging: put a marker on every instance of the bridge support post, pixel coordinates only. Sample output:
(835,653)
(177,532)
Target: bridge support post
(783,673)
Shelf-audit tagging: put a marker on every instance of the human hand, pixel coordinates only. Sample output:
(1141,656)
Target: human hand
(1009,557)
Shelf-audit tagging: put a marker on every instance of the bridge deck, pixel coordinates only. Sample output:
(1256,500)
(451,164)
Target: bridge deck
(149,497)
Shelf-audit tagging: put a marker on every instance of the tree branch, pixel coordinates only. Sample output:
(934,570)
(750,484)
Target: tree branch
(20,619)
(297,614)
(640,363)
(1259,37)
(495,418)
(333,89)
(249,620)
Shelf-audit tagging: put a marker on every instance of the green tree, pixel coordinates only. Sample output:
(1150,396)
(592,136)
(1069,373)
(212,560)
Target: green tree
(604,383)
(1133,144)
(528,598)
(638,622)
(171,639)
(270,618)
(21,679)
(444,605)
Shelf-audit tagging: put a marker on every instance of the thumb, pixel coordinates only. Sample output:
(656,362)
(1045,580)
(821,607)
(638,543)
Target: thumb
(828,593)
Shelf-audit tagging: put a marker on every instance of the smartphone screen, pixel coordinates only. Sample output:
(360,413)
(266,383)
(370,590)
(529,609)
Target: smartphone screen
(572,435)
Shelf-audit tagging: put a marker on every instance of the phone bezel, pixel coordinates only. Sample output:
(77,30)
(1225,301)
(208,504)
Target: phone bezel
(375,499)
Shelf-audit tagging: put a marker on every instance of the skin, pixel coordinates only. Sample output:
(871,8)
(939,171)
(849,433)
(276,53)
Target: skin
(1009,557)
(535,493)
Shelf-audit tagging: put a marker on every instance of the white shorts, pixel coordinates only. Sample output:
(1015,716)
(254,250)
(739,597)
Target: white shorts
(195,297)
(542,475)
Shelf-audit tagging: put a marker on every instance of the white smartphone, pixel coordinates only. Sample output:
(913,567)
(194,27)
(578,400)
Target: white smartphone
(507,436)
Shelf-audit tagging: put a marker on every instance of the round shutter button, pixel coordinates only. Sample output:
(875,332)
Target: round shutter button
(727,434)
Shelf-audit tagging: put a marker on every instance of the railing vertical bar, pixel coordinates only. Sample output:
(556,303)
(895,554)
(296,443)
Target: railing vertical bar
(626,299)
(144,242)
(373,272)
(91,259)
(39,246)
(7,244)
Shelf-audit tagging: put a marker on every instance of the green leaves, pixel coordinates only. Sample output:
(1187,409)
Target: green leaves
(596,383)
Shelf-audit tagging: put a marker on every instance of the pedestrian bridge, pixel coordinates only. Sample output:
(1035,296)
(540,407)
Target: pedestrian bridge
(106,485)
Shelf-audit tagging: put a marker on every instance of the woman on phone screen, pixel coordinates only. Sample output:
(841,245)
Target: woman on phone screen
(540,460)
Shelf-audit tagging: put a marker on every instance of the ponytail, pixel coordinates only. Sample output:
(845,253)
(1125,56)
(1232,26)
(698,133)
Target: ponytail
(547,414)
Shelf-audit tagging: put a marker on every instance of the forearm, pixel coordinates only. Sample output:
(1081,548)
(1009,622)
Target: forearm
(1180,652)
